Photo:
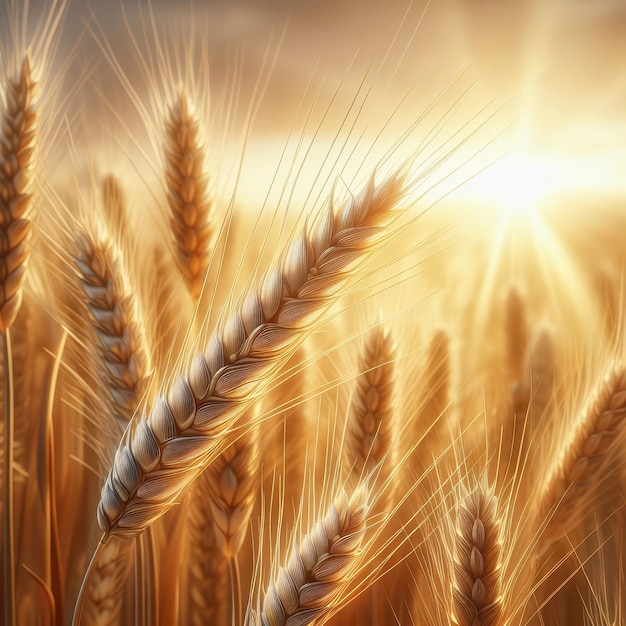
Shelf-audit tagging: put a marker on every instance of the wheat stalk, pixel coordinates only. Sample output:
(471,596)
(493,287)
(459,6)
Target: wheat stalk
(476,585)
(575,477)
(187,193)
(369,430)
(233,482)
(160,454)
(116,322)
(319,570)
(17,145)
(124,363)
(208,570)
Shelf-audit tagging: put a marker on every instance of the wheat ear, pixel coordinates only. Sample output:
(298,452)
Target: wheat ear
(516,334)
(17,145)
(476,587)
(208,569)
(542,374)
(369,429)
(161,453)
(574,479)
(115,319)
(104,598)
(187,193)
(319,570)
(233,482)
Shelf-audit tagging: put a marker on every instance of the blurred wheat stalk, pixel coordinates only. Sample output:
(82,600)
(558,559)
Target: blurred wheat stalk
(285,475)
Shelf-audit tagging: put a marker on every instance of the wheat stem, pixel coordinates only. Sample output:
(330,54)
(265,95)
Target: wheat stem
(8,538)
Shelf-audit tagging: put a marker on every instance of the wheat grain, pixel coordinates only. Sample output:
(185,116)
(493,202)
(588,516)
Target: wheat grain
(320,569)
(369,430)
(476,583)
(187,193)
(160,454)
(116,322)
(571,484)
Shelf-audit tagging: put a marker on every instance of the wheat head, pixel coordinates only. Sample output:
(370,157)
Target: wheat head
(233,482)
(115,320)
(161,453)
(516,334)
(208,569)
(187,193)
(17,145)
(575,477)
(369,431)
(104,598)
(476,585)
(318,570)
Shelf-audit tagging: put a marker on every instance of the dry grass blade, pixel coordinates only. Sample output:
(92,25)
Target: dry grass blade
(115,320)
(208,569)
(187,193)
(16,148)
(476,586)
(369,429)
(320,568)
(163,452)
(233,481)
(570,488)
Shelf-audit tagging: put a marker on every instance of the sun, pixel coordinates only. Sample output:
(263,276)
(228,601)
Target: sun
(518,183)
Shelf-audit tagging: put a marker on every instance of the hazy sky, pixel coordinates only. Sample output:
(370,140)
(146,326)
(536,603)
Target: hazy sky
(561,62)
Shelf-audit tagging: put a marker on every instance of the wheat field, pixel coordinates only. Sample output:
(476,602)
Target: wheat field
(312,313)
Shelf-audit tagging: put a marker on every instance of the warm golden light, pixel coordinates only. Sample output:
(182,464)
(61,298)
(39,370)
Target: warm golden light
(518,183)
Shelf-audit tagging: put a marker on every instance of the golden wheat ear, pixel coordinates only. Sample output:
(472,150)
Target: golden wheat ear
(188,193)
(516,329)
(369,432)
(320,569)
(17,145)
(162,453)
(207,585)
(572,484)
(234,480)
(476,588)
(116,322)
